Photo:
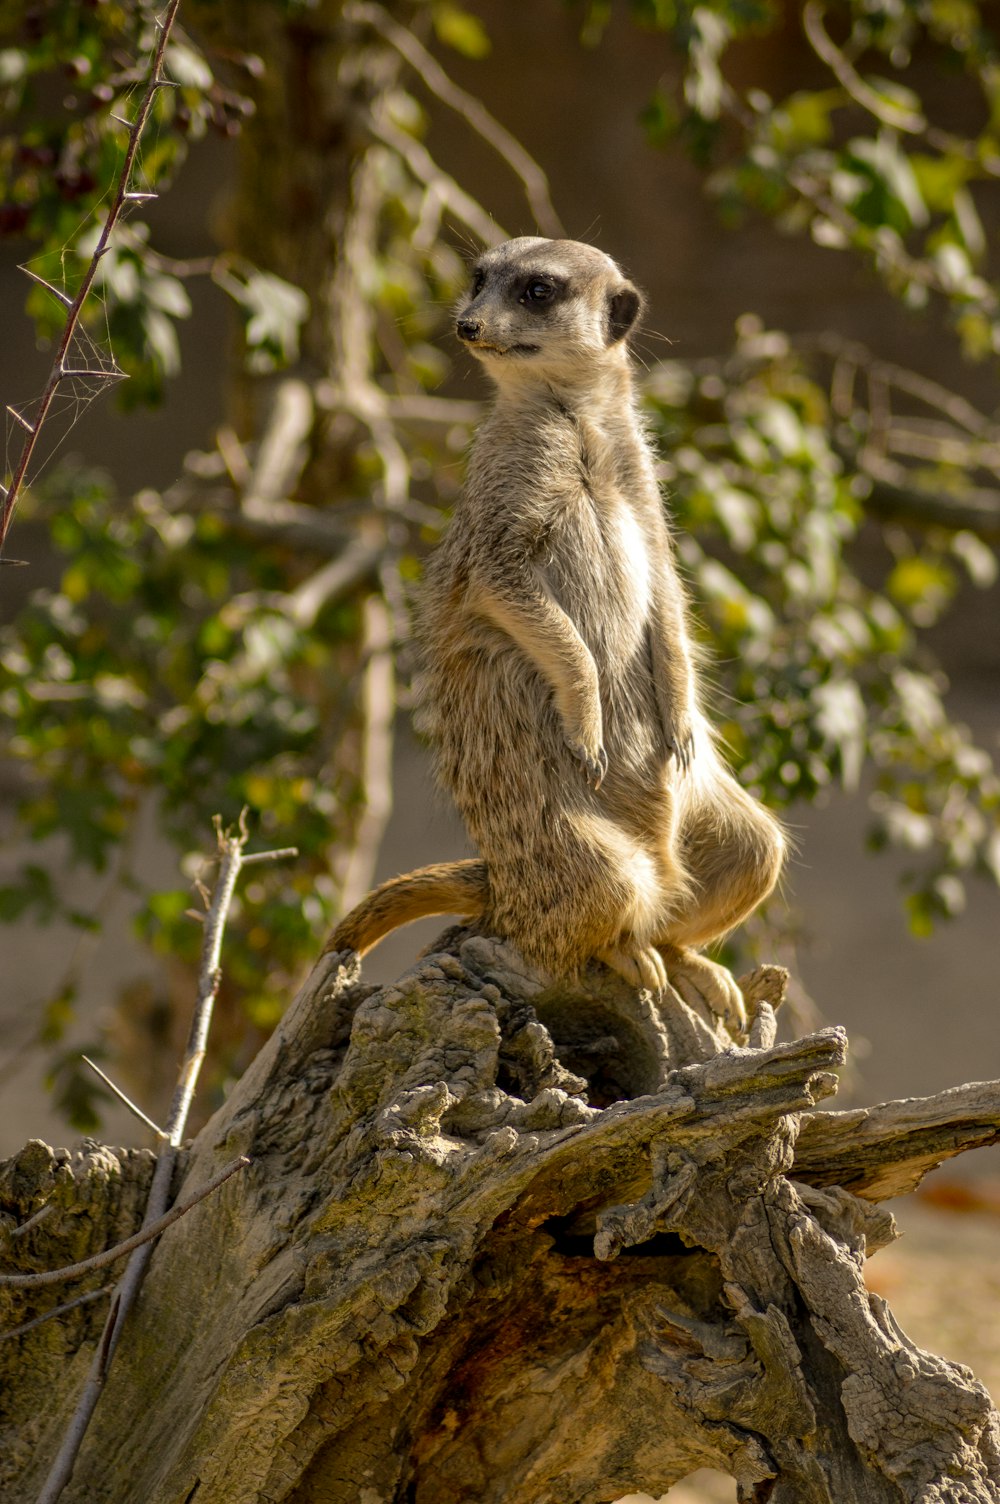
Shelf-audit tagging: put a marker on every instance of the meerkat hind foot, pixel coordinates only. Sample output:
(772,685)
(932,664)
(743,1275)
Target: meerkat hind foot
(700,981)
(641,967)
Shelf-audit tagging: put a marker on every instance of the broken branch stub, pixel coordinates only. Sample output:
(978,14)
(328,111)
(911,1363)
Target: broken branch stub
(503,1242)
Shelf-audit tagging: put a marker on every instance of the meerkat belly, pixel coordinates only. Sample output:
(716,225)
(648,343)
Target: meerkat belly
(600,571)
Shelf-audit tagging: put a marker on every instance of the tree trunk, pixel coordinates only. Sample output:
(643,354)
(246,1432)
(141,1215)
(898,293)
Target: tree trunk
(503,1243)
(306,207)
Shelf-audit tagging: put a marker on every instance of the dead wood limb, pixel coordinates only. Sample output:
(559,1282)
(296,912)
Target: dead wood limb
(467,1268)
(885,1151)
(112,1255)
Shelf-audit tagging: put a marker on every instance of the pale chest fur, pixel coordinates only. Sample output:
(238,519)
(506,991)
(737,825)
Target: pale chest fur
(598,563)
(604,541)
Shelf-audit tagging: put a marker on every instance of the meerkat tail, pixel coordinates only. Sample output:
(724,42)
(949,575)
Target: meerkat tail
(444,888)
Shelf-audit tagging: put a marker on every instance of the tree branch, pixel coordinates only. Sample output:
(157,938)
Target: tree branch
(121,196)
(471,109)
(423,167)
(70,1305)
(894,115)
(132,1107)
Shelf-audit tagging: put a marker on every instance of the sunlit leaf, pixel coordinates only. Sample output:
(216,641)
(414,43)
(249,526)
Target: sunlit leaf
(459,29)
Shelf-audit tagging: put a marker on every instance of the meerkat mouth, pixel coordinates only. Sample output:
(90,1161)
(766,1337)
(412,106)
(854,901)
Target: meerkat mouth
(490,349)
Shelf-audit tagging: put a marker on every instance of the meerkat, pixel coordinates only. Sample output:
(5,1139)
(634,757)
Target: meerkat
(560,687)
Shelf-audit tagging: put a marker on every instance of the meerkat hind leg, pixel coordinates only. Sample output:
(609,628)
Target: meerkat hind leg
(642,966)
(701,981)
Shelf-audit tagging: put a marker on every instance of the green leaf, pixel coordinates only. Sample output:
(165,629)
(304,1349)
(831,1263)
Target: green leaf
(920,914)
(939,178)
(842,720)
(456,28)
(34,891)
(169,295)
(922,585)
(804,119)
(187,67)
(276,311)
(659,118)
(893,168)
(13,65)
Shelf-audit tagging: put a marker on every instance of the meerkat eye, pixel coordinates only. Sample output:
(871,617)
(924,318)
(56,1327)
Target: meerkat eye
(538,292)
(478,283)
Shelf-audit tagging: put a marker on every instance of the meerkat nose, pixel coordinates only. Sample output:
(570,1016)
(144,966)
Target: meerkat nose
(469,329)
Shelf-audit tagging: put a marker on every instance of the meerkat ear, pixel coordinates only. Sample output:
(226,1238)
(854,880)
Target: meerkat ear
(624,307)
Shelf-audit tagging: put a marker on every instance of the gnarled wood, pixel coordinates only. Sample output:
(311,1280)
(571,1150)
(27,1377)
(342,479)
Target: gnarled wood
(469,1262)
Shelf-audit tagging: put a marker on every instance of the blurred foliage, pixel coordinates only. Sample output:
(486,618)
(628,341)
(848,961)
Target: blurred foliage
(173,665)
(70,76)
(822,674)
(888,155)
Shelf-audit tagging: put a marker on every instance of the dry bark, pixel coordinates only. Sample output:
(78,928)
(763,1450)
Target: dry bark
(469,1263)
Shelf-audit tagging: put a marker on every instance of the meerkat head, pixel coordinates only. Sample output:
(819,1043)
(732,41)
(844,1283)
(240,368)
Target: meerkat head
(549,308)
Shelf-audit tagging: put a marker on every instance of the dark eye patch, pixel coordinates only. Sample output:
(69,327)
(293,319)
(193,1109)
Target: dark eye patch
(537,291)
(478,281)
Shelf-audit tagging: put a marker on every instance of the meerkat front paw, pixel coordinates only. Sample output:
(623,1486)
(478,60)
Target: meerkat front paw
(593,760)
(700,981)
(680,740)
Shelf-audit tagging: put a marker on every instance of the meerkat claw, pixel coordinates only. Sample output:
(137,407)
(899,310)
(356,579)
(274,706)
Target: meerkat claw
(595,765)
(682,752)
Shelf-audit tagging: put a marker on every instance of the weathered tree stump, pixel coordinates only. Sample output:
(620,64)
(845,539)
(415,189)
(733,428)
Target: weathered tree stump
(499,1242)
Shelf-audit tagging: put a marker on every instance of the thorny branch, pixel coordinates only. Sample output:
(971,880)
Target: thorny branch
(230,849)
(60,371)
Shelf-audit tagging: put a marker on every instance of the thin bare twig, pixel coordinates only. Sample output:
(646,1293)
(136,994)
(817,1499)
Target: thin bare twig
(895,115)
(60,372)
(69,1305)
(423,167)
(112,1255)
(280,854)
(471,109)
(230,851)
(33,1221)
(123,1098)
